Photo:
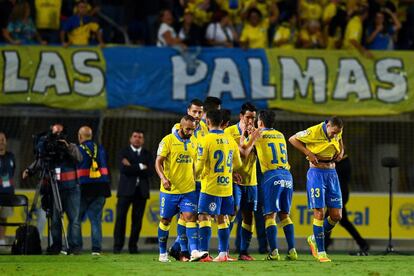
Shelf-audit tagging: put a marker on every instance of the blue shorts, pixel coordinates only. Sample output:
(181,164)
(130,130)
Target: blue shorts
(215,205)
(245,197)
(323,188)
(171,204)
(277,191)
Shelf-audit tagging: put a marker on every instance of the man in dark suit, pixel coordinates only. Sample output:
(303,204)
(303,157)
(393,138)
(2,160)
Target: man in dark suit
(136,166)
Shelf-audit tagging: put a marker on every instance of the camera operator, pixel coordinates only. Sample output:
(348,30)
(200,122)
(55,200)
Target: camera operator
(55,154)
(7,167)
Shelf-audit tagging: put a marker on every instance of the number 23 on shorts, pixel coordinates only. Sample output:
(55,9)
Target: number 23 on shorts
(315,192)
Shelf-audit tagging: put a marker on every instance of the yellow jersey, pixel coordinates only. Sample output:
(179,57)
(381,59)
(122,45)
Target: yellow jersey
(180,156)
(216,158)
(317,141)
(256,37)
(271,150)
(286,32)
(198,136)
(48,14)
(248,170)
(353,31)
(81,35)
(310,10)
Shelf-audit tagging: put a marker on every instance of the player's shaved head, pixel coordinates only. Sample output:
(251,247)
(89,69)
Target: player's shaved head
(187,126)
(84,134)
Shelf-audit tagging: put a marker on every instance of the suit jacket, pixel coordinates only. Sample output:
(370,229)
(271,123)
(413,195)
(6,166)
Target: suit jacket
(129,174)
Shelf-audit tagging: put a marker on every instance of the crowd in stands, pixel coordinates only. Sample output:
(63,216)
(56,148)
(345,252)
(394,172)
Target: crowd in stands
(285,24)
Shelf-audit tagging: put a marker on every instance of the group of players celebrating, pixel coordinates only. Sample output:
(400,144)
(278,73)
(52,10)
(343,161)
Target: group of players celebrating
(208,171)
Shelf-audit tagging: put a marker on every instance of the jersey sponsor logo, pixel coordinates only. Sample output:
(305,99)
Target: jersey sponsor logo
(184,158)
(223,180)
(212,206)
(284,183)
(337,199)
(190,204)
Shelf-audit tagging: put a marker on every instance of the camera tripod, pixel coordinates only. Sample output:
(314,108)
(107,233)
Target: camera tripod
(48,175)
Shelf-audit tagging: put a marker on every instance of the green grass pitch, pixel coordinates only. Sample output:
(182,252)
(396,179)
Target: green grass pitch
(147,264)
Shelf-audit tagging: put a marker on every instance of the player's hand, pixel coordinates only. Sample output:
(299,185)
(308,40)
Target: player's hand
(256,134)
(167,184)
(312,158)
(25,174)
(125,162)
(237,178)
(338,157)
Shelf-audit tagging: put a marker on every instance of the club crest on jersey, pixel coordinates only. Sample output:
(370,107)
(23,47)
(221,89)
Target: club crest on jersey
(160,147)
(212,206)
(303,133)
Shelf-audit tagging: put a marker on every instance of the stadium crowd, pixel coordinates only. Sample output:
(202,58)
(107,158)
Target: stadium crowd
(306,24)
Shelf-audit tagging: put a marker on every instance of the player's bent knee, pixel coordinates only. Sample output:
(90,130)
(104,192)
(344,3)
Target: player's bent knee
(165,221)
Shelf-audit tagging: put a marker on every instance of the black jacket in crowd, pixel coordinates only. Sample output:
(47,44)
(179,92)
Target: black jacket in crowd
(128,174)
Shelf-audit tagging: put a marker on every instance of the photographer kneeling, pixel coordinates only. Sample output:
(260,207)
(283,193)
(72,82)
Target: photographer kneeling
(56,156)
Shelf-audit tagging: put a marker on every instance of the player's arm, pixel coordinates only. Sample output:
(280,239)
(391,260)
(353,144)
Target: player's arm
(201,160)
(246,148)
(338,157)
(162,153)
(159,167)
(301,147)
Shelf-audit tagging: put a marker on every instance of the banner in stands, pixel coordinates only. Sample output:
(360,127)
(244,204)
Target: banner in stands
(307,81)
(72,78)
(367,211)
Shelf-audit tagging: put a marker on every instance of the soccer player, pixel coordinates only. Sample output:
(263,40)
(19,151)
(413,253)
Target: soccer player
(179,250)
(245,193)
(175,167)
(277,182)
(215,161)
(322,144)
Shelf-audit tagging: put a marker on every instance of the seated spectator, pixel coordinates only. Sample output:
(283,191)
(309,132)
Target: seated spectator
(166,33)
(79,27)
(190,33)
(220,32)
(254,34)
(380,35)
(310,36)
(353,32)
(287,34)
(21,29)
(309,10)
(6,8)
(48,19)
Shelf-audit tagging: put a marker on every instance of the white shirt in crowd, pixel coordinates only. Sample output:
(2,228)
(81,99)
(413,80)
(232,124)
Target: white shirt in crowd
(217,33)
(163,29)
